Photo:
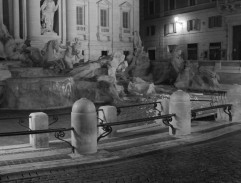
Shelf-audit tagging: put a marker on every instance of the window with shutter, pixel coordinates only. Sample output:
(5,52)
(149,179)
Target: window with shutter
(151,5)
(147,31)
(171,4)
(153,30)
(104,18)
(192,2)
(126,20)
(194,24)
(169,28)
(166,29)
(215,21)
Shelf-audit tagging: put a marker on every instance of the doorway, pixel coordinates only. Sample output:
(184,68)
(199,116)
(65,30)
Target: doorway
(237,42)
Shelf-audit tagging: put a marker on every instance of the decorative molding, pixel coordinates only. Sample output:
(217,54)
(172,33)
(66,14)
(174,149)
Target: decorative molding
(126,33)
(126,5)
(229,6)
(104,3)
(104,33)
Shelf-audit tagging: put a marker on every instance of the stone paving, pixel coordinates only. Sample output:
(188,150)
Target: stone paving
(214,159)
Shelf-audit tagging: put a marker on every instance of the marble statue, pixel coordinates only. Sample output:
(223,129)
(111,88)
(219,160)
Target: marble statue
(137,41)
(192,76)
(48,10)
(53,55)
(2,51)
(77,50)
(4,34)
(69,58)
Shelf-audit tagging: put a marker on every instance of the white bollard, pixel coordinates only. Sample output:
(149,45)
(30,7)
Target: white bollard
(84,122)
(39,121)
(234,98)
(221,115)
(163,106)
(181,106)
(108,114)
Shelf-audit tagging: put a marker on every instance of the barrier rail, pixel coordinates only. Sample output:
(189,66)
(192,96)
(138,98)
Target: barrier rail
(59,133)
(21,119)
(208,92)
(107,127)
(226,108)
(137,105)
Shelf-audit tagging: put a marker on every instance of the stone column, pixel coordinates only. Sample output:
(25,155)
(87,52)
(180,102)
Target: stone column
(64,21)
(71,19)
(1,12)
(16,19)
(10,16)
(33,19)
(24,19)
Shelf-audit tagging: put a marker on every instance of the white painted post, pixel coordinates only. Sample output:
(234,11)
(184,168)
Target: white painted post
(108,114)
(181,106)
(39,121)
(234,98)
(84,122)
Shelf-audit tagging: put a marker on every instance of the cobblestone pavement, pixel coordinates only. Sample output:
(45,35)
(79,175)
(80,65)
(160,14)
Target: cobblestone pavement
(217,160)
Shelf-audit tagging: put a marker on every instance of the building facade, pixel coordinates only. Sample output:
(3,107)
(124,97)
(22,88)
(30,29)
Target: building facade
(102,26)
(203,29)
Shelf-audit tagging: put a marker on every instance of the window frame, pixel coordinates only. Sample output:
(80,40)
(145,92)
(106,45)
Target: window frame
(82,20)
(193,25)
(104,24)
(153,30)
(192,2)
(153,7)
(127,19)
(169,25)
(192,49)
(215,21)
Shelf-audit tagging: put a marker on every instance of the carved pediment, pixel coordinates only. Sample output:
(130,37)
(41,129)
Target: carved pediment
(126,5)
(104,3)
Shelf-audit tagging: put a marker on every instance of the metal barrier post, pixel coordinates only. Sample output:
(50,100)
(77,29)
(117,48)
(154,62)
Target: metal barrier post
(39,121)
(84,122)
(181,106)
(234,98)
(162,108)
(108,114)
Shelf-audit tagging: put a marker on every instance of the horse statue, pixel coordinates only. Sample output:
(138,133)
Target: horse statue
(53,56)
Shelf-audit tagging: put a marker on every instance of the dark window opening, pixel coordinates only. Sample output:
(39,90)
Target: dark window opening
(192,2)
(169,28)
(172,4)
(104,53)
(126,53)
(153,30)
(215,51)
(192,51)
(215,21)
(147,31)
(151,7)
(152,54)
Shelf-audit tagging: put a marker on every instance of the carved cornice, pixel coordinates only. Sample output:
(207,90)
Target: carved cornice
(229,6)
(104,3)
